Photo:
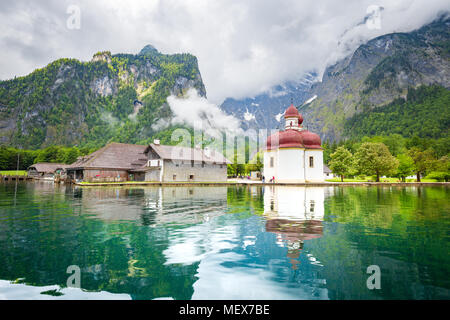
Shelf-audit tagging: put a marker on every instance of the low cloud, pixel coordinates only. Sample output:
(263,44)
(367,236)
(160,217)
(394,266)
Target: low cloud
(243,47)
(197,112)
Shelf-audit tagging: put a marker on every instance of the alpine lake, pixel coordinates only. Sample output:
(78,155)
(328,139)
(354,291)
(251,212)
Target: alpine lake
(225,242)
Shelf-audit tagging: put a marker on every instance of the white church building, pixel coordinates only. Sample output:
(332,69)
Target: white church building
(295,154)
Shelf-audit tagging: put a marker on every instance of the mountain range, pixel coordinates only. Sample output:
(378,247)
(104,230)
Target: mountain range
(120,97)
(374,75)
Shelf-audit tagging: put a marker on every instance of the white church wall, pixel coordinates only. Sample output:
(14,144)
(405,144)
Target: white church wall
(291,165)
(270,171)
(315,173)
(291,123)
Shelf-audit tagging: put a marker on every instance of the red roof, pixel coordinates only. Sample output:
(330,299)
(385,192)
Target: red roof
(291,112)
(291,138)
(285,139)
(310,140)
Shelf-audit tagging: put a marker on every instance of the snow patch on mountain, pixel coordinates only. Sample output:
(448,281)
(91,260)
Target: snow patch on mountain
(278,116)
(310,99)
(249,116)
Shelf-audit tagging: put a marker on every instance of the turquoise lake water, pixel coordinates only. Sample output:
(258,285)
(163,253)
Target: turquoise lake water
(224,242)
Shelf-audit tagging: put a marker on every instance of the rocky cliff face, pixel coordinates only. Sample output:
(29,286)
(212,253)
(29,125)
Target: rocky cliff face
(265,111)
(111,97)
(377,73)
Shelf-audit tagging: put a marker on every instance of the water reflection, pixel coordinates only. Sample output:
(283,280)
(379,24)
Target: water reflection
(295,215)
(154,205)
(225,242)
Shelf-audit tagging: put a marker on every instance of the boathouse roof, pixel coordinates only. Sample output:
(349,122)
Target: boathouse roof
(47,167)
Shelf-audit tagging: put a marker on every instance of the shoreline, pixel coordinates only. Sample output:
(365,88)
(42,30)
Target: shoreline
(236,183)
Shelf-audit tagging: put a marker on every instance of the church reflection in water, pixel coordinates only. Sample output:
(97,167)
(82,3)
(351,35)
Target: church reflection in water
(295,214)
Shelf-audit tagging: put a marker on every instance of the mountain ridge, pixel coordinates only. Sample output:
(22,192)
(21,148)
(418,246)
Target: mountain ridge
(111,97)
(377,73)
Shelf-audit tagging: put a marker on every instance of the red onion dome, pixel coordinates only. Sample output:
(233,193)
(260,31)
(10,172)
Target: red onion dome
(310,140)
(285,139)
(273,141)
(291,112)
(290,138)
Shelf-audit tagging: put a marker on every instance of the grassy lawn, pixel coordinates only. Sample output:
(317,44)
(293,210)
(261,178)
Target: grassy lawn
(13,173)
(346,180)
(381,180)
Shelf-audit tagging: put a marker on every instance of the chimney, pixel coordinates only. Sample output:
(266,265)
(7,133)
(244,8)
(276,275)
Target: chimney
(156,141)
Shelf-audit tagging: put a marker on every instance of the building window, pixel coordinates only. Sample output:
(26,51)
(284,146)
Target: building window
(192,163)
(221,166)
(174,177)
(271,162)
(311,162)
(191,177)
(203,164)
(312,205)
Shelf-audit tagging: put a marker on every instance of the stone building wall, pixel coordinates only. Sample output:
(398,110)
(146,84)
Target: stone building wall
(153,175)
(184,171)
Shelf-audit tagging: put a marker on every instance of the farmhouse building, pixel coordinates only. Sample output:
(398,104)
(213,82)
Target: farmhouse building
(154,162)
(295,154)
(327,173)
(45,169)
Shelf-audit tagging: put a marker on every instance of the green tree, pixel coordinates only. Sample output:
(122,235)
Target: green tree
(49,154)
(423,160)
(441,169)
(71,155)
(341,162)
(395,143)
(405,166)
(374,158)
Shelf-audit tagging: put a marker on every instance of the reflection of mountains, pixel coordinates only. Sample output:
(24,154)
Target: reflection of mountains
(155,205)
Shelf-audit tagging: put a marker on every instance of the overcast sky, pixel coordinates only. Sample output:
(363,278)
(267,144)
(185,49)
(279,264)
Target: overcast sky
(243,47)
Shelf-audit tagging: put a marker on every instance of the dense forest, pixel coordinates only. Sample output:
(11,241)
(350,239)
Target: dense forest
(424,113)
(11,157)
